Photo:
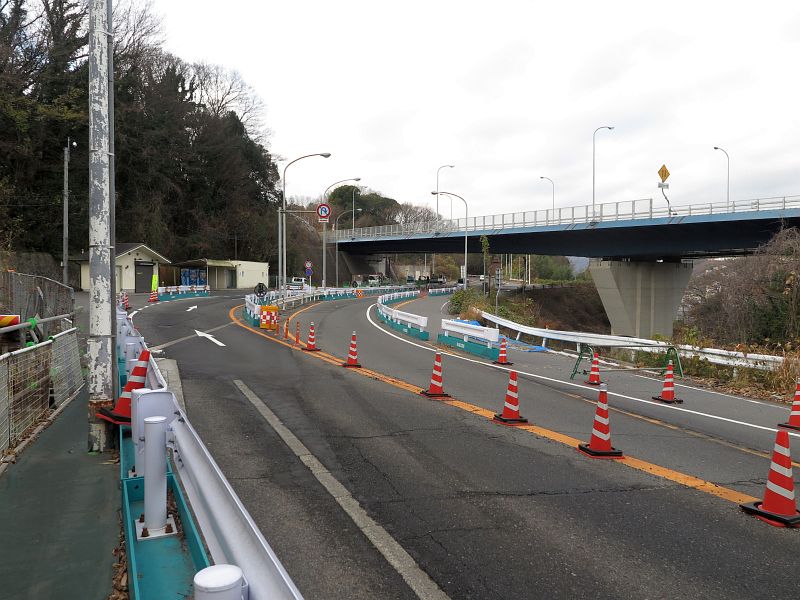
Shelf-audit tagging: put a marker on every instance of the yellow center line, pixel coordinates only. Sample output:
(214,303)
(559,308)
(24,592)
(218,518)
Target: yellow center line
(629,461)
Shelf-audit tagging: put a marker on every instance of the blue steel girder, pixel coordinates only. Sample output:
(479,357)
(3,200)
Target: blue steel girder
(697,236)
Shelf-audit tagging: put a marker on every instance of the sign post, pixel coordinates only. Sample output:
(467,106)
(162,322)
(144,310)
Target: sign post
(663,172)
(324,213)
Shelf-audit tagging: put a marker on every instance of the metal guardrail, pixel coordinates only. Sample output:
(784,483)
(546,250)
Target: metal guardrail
(607,212)
(36,296)
(398,315)
(764,362)
(443,291)
(228,529)
(467,330)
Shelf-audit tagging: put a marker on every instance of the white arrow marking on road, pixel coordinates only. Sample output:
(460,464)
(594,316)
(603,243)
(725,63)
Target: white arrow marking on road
(209,336)
(191,308)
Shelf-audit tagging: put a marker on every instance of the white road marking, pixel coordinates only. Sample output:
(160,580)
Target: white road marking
(576,385)
(133,314)
(209,336)
(417,579)
(191,308)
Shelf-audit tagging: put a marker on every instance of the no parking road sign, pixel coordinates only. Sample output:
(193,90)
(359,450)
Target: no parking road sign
(324,212)
(309,272)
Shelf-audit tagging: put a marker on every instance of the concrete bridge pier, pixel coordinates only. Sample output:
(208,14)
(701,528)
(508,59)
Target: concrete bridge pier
(641,298)
(364,264)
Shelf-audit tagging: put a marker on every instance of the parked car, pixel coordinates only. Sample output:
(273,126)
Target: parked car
(297,283)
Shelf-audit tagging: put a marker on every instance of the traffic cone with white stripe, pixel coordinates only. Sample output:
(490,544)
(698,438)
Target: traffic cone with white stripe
(297,334)
(286,329)
(778,507)
(668,391)
(594,374)
(121,413)
(278,324)
(599,445)
(794,416)
(503,358)
(153,296)
(311,344)
(436,388)
(510,414)
(352,354)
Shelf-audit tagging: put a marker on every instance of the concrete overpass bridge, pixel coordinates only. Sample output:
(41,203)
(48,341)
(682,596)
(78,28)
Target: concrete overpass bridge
(642,249)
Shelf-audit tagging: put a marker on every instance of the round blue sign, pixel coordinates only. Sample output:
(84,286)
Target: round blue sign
(309,272)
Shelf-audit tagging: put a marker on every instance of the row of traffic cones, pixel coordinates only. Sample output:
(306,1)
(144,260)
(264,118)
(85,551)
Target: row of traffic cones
(121,413)
(667,391)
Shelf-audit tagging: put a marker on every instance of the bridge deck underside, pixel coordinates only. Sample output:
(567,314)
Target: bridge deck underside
(646,240)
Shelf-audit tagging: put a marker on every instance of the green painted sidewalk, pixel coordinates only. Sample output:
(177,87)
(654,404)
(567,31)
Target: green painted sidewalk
(59,511)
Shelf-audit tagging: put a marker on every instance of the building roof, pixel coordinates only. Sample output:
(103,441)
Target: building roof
(123,248)
(206,262)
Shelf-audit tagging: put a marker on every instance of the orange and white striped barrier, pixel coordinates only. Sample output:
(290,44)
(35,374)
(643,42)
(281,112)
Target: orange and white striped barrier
(668,391)
(352,354)
(9,320)
(297,334)
(599,445)
(121,413)
(594,374)
(311,343)
(153,296)
(778,507)
(502,359)
(794,416)
(436,387)
(510,414)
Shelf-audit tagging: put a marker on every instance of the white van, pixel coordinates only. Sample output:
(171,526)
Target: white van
(297,283)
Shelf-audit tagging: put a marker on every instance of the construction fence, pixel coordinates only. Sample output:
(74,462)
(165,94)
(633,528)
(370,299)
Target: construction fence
(33,296)
(35,380)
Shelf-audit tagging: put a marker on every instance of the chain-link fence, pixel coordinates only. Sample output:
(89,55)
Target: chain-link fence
(34,296)
(5,423)
(67,377)
(28,387)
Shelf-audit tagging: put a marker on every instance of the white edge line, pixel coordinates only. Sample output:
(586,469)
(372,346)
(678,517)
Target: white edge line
(417,579)
(577,385)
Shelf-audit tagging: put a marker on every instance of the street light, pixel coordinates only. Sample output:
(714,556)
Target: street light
(728,200)
(282,223)
(433,256)
(65,249)
(336,228)
(466,228)
(593,153)
(554,192)
(325,227)
(355,187)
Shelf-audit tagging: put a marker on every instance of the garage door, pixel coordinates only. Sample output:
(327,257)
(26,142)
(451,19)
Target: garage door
(144,276)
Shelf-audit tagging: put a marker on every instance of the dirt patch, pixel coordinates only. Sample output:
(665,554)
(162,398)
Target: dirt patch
(574,308)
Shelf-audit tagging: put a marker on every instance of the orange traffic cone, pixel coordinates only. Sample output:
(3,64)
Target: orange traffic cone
(599,445)
(510,414)
(297,334)
(794,416)
(778,507)
(121,413)
(352,354)
(668,391)
(286,329)
(436,389)
(311,344)
(278,324)
(594,374)
(153,297)
(503,358)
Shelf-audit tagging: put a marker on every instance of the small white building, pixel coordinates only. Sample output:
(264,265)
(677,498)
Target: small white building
(136,263)
(229,274)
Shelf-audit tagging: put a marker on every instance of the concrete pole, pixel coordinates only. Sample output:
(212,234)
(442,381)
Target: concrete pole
(324,253)
(112,192)
(65,245)
(100,309)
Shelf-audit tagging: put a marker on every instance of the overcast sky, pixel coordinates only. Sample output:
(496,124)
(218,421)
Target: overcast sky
(510,91)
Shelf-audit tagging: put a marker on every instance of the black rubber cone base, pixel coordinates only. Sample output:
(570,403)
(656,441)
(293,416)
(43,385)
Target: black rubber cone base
(613,453)
(587,382)
(503,421)
(355,366)
(754,508)
(433,394)
(795,427)
(675,401)
(306,349)
(507,363)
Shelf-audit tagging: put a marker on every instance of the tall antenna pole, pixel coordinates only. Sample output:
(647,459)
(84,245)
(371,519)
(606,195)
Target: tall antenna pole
(99,342)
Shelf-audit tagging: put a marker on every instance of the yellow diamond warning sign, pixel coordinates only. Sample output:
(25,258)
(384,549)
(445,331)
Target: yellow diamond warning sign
(663,173)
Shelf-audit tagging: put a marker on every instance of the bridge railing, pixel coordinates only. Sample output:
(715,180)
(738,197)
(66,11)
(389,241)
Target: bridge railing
(644,208)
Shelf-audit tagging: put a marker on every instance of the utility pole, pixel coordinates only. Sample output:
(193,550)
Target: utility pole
(112,194)
(65,245)
(100,313)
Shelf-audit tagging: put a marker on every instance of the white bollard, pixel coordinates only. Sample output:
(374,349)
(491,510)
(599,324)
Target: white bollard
(155,474)
(218,582)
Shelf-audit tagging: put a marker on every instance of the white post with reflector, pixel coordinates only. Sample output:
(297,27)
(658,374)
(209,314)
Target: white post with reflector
(219,582)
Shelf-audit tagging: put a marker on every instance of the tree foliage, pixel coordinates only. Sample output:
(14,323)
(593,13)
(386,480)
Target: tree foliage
(193,174)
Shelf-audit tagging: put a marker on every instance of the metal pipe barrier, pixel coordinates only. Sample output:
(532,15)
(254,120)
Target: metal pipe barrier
(629,210)
(227,528)
(35,296)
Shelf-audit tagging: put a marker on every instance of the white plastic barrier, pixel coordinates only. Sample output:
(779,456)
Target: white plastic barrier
(764,362)
(467,330)
(398,315)
(443,291)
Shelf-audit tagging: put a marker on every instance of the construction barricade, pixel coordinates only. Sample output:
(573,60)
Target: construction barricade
(176,292)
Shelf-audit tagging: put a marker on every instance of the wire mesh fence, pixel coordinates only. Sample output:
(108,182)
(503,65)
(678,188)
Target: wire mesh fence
(28,388)
(5,424)
(66,373)
(32,296)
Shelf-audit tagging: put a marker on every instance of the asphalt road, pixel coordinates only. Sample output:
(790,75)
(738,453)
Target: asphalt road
(487,511)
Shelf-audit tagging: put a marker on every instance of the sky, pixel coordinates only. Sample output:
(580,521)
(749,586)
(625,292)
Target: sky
(510,91)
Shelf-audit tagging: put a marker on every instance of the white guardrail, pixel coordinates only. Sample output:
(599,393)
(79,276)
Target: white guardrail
(228,529)
(443,291)
(764,362)
(398,315)
(467,330)
(645,208)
